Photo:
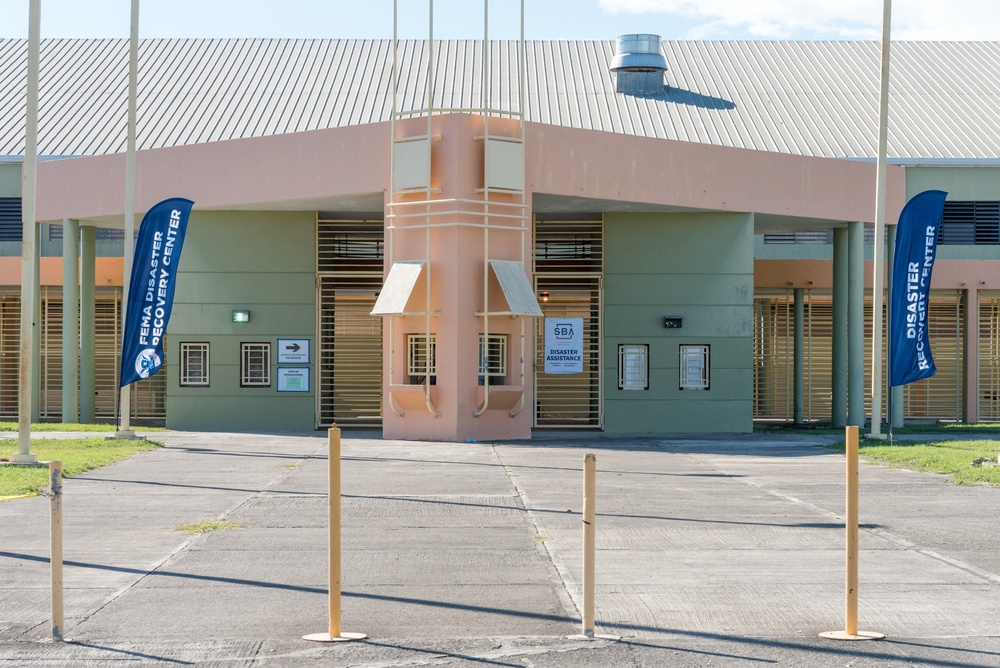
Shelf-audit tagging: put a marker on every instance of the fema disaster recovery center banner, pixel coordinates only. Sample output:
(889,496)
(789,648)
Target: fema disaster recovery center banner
(916,247)
(564,345)
(151,288)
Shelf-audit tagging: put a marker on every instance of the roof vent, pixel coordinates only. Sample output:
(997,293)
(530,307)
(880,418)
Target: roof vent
(639,65)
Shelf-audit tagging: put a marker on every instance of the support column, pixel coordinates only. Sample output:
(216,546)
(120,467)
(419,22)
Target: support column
(798,356)
(839,362)
(895,409)
(856,324)
(71,322)
(88,330)
(970,354)
(36,334)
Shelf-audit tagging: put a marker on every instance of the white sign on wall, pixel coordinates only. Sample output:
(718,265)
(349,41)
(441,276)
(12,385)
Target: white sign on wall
(293,351)
(293,379)
(563,345)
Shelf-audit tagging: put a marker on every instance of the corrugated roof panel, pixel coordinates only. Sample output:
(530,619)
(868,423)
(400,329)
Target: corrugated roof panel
(810,98)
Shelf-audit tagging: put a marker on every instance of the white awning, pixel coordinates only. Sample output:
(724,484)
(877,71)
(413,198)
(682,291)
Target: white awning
(516,289)
(398,285)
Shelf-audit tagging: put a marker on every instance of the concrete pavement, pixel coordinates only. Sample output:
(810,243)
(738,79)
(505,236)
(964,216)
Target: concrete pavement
(711,551)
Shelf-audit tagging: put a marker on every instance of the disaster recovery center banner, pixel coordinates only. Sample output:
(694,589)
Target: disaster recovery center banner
(916,246)
(151,288)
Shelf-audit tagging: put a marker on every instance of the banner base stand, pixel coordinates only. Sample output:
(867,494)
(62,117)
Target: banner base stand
(128,434)
(844,635)
(326,637)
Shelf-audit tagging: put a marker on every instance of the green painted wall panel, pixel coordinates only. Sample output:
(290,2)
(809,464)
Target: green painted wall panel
(245,242)
(690,243)
(961,183)
(10,180)
(692,289)
(727,385)
(682,417)
(266,319)
(261,261)
(698,266)
(230,288)
(701,321)
(262,413)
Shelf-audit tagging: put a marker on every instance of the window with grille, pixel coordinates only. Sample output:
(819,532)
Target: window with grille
(421,358)
(633,367)
(694,367)
(492,359)
(10,218)
(100,233)
(814,237)
(255,365)
(970,224)
(194,365)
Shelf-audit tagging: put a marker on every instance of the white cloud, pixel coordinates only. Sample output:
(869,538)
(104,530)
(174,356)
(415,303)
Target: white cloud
(834,19)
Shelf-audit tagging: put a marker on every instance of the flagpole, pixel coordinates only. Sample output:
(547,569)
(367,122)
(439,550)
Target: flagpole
(879,249)
(125,393)
(29,235)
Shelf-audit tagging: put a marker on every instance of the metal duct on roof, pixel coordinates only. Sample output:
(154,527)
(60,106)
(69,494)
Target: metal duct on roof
(639,65)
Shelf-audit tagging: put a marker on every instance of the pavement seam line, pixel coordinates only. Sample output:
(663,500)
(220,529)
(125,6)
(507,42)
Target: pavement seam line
(880,533)
(569,592)
(180,548)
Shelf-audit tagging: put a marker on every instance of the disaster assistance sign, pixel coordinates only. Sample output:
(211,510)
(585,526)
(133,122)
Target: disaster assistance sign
(563,345)
(151,288)
(910,357)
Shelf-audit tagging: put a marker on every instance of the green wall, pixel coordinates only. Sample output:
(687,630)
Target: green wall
(10,186)
(261,261)
(698,266)
(10,179)
(963,184)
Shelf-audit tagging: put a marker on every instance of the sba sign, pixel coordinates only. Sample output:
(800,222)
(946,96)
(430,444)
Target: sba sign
(563,345)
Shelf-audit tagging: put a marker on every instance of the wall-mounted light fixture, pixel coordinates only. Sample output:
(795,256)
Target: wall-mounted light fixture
(241,315)
(543,296)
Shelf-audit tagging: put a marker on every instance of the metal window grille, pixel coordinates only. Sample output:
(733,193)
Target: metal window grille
(194,365)
(633,367)
(101,233)
(938,397)
(255,365)
(970,224)
(568,271)
(989,357)
(10,218)
(349,265)
(813,237)
(695,367)
(421,358)
(148,403)
(492,358)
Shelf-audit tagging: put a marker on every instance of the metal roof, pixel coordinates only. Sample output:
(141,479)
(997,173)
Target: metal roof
(807,97)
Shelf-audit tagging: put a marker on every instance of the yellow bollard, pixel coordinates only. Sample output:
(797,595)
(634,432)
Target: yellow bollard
(334,633)
(589,550)
(850,631)
(56,548)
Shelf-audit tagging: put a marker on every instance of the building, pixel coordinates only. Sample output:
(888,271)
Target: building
(690,220)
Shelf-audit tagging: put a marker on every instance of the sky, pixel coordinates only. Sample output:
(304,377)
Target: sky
(544,19)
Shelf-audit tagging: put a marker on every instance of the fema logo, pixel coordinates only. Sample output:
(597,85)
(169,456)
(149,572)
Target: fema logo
(147,362)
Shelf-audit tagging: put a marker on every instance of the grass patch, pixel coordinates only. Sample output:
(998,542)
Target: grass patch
(943,428)
(77,455)
(954,458)
(205,526)
(68,426)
